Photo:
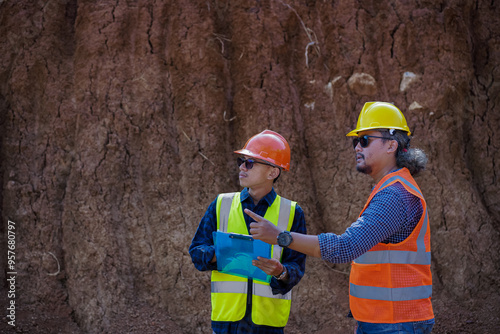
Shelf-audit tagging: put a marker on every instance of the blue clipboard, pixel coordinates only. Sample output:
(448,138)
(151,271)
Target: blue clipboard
(235,253)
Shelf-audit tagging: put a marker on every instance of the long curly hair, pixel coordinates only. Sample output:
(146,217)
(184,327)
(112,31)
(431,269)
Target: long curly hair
(412,158)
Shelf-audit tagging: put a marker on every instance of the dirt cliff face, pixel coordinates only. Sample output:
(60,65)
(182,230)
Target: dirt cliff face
(118,122)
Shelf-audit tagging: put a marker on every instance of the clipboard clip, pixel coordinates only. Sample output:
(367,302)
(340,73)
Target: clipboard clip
(241,236)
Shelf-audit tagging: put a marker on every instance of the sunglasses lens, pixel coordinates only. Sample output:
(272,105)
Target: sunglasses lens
(248,163)
(363,141)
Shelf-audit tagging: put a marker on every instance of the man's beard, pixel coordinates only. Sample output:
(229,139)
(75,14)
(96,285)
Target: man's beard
(364,169)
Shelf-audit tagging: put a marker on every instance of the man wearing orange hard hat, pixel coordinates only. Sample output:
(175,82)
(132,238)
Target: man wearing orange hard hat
(242,304)
(390,283)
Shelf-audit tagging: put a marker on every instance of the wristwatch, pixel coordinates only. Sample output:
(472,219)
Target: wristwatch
(284,239)
(282,275)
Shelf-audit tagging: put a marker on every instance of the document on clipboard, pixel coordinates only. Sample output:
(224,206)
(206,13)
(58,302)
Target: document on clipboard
(235,253)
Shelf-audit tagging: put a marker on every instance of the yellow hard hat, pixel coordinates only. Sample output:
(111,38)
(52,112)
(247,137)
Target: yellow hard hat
(380,115)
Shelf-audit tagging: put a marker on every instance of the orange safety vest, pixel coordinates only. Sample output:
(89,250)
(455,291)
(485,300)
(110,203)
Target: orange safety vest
(392,283)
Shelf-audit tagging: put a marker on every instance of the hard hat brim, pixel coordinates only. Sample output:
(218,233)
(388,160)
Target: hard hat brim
(355,132)
(256,156)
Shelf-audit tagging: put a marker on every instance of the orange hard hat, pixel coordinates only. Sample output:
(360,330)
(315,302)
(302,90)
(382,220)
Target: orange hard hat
(269,146)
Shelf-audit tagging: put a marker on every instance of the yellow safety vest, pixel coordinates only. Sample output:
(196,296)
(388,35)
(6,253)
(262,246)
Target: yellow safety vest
(229,292)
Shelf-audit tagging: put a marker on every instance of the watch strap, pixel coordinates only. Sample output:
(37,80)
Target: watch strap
(282,275)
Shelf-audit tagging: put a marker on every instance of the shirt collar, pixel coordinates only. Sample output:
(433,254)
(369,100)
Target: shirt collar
(269,198)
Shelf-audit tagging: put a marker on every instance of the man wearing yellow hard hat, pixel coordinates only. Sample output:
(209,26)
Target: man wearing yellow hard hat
(390,283)
(243,304)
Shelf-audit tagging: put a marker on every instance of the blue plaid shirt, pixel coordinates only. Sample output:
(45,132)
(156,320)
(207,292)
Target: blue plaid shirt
(202,251)
(390,217)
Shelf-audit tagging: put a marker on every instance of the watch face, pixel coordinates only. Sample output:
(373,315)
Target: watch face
(284,239)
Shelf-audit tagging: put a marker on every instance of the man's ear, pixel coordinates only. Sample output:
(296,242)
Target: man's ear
(393,146)
(275,171)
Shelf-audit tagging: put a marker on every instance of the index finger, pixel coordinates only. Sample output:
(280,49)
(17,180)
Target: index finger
(254,215)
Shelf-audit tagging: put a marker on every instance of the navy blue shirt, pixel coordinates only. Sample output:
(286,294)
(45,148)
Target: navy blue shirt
(202,251)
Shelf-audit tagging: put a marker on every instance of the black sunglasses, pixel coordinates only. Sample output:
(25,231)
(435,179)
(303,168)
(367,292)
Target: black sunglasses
(364,141)
(249,163)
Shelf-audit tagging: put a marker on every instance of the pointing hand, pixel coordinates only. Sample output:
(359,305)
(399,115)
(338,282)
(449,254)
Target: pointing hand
(263,229)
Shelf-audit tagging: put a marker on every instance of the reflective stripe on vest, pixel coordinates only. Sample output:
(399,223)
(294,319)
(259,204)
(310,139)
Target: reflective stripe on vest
(390,294)
(284,217)
(229,287)
(225,207)
(241,287)
(265,291)
(267,309)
